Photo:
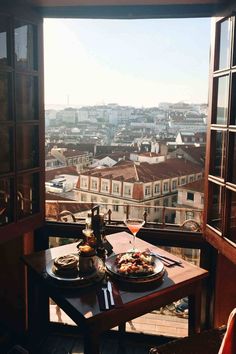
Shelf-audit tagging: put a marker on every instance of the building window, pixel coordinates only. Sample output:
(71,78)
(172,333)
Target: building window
(165,202)
(189,215)
(183,181)
(115,207)
(84,183)
(157,188)
(93,199)
(127,190)
(166,187)
(94,184)
(83,197)
(190,196)
(202,200)
(147,190)
(174,185)
(116,188)
(191,179)
(105,187)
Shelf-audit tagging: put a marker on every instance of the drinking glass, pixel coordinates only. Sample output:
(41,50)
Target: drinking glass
(134,225)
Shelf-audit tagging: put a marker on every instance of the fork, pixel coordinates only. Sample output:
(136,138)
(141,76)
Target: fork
(104,289)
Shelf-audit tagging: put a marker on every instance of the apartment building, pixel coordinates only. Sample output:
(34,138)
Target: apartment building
(139,183)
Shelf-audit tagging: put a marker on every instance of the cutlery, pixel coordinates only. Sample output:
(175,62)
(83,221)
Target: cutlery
(170,261)
(104,289)
(109,288)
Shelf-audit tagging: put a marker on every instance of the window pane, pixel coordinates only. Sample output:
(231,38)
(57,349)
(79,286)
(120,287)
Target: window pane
(3,41)
(224,48)
(26,98)
(234,56)
(6,151)
(4,96)
(232,218)
(216,207)
(25,38)
(27,147)
(233,101)
(27,195)
(232,161)
(6,201)
(222,86)
(218,153)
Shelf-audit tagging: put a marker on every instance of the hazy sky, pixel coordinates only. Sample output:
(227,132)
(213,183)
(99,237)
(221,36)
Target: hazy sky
(130,62)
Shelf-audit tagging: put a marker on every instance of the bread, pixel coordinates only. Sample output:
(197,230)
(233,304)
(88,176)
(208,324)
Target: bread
(66,265)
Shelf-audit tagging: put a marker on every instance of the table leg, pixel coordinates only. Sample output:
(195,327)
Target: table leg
(91,342)
(38,310)
(194,308)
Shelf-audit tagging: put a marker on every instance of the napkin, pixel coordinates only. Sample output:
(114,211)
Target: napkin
(116,295)
(228,345)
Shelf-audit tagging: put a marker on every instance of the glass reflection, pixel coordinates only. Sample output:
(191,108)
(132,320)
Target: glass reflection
(222,100)
(233,160)
(216,208)
(27,195)
(4,96)
(6,201)
(26,98)
(3,41)
(6,151)
(27,147)
(224,49)
(24,46)
(233,101)
(232,218)
(218,153)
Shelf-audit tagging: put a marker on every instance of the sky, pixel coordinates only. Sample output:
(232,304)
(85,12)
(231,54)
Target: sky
(130,62)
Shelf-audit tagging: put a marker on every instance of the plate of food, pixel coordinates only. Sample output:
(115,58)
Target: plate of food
(135,267)
(66,270)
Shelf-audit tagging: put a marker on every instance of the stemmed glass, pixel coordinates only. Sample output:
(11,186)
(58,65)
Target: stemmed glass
(134,225)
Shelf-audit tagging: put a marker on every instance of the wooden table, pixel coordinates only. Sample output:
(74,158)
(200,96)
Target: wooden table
(82,304)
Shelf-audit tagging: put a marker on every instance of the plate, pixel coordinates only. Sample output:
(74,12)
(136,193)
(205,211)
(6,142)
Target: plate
(79,279)
(158,272)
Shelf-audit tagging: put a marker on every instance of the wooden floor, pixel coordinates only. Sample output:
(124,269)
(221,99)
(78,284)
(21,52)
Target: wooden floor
(72,345)
(163,322)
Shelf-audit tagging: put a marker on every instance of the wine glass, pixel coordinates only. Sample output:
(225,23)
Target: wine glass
(134,225)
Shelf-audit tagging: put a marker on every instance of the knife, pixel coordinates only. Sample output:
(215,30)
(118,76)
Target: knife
(105,298)
(109,288)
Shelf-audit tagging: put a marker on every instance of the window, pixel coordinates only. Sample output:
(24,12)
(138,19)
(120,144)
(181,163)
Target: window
(191,179)
(166,187)
(127,190)
(157,188)
(94,184)
(84,182)
(93,199)
(189,215)
(105,187)
(174,185)
(147,191)
(115,207)
(83,197)
(190,196)
(182,181)
(202,200)
(116,188)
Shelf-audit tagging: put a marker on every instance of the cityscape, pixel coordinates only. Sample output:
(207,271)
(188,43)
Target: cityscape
(151,159)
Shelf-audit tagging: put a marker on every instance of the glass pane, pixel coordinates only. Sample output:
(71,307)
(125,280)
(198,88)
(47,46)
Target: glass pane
(233,101)
(234,56)
(4,96)
(6,201)
(232,161)
(26,98)
(218,153)
(224,48)
(216,208)
(27,195)
(25,38)
(6,151)
(222,100)
(27,147)
(3,41)
(232,218)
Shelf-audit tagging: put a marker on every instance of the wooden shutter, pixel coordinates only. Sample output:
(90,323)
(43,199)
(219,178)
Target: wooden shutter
(21,122)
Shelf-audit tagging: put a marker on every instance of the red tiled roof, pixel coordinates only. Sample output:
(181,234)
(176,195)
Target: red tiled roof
(145,172)
(196,186)
(69,170)
(72,153)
